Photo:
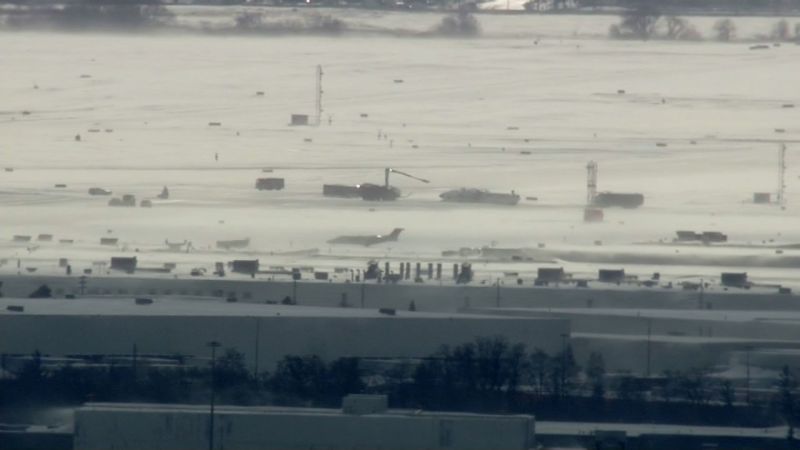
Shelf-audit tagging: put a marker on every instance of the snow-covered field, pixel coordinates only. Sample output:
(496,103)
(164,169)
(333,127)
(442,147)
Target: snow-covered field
(463,115)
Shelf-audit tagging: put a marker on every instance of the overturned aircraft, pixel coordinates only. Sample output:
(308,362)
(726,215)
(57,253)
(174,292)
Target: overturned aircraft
(367,240)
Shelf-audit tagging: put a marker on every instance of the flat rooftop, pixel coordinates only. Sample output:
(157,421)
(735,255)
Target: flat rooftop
(637,429)
(685,340)
(542,427)
(722,315)
(278,410)
(192,307)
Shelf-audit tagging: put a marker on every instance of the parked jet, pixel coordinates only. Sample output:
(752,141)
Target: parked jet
(367,240)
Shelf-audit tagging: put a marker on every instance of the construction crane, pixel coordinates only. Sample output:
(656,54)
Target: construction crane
(605,199)
(781,196)
(389,170)
(590,213)
(374,192)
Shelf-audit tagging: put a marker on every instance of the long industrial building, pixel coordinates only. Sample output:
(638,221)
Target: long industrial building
(355,427)
(263,333)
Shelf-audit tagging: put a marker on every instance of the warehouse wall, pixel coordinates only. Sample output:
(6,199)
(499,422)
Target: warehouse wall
(427,297)
(266,339)
(299,429)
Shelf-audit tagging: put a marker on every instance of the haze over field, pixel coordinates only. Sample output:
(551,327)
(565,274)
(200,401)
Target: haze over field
(465,112)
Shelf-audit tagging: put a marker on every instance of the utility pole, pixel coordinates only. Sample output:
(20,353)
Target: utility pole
(258,339)
(497,295)
(319,95)
(213,345)
(134,362)
(82,281)
(781,175)
(563,363)
(700,295)
(747,364)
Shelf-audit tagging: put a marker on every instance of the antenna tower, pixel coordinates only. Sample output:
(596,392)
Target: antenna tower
(591,182)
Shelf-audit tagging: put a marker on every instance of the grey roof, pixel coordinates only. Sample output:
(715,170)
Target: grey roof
(187,306)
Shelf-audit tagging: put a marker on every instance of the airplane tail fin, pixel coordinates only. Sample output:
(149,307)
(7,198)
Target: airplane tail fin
(395,234)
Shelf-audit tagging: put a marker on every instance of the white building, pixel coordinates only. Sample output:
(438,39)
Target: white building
(363,424)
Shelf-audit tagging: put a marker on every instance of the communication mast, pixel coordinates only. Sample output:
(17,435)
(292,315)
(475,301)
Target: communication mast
(591,182)
(319,95)
(780,199)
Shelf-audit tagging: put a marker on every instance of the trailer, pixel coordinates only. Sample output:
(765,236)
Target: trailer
(270,184)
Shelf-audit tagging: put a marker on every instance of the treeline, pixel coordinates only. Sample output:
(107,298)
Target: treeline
(644,20)
(459,24)
(488,375)
(90,14)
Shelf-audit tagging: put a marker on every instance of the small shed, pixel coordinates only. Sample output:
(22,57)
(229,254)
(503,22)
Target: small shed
(592,215)
(550,274)
(611,275)
(270,184)
(299,120)
(762,197)
(714,236)
(686,235)
(124,263)
(734,279)
(246,266)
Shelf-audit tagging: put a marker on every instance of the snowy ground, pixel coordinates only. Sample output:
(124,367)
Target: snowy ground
(463,114)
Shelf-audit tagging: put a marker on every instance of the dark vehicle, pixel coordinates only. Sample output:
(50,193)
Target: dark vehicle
(610,199)
(127,200)
(378,193)
(270,184)
(705,237)
(341,190)
(99,191)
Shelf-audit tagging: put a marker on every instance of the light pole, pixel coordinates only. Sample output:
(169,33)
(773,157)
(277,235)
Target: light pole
(747,363)
(497,295)
(213,345)
(563,362)
(649,331)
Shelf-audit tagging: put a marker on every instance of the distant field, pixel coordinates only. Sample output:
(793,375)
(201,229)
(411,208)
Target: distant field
(465,112)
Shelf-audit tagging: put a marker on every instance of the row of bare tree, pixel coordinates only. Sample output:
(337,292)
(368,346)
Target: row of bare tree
(644,21)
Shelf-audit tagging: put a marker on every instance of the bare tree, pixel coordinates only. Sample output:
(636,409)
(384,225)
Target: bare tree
(725,30)
(727,393)
(780,31)
(460,24)
(596,373)
(638,22)
(679,28)
(249,20)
